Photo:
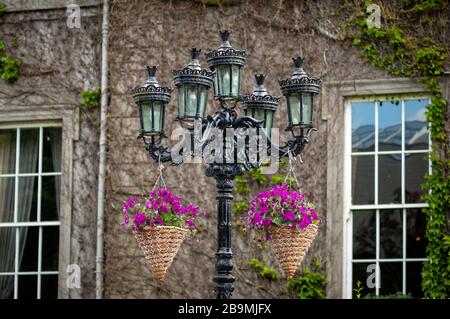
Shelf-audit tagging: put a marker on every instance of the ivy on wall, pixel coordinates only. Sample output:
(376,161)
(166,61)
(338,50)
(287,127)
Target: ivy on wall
(393,47)
(9,65)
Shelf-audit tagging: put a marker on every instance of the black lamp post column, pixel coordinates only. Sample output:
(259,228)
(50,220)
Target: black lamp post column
(224,279)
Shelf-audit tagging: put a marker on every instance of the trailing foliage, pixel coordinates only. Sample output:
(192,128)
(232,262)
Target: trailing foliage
(9,65)
(391,48)
(90,99)
(311,284)
(262,270)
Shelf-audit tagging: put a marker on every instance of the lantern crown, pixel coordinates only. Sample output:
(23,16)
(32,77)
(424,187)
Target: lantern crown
(151,90)
(260,97)
(300,81)
(225,54)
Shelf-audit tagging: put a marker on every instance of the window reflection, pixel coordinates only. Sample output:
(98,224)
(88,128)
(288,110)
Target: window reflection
(363,126)
(389,125)
(416,128)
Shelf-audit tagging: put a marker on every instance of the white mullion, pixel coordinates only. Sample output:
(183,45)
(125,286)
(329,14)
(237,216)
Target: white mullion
(403,190)
(376,153)
(388,206)
(37,174)
(28,224)
(29,273)
(16,203)
(403,154)
(39,264)
(16,266)
(387,260)
(404,253)
(377,253)
(377,212)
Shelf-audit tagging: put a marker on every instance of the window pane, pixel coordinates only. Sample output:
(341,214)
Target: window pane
(416,128)
(49,286)
(363,126)
(7,151)
(50,197)
(51,152)
(29,241)
(7,249)
(389,125)
(6,287)
(360,274)
(50,246)
(390,278)
(363,234)
(29,150)
(415,233)
(391,234)
(414,279)
(389,178)
(416,166)
(27,287)
(363,171)
(27,208)
(7,199)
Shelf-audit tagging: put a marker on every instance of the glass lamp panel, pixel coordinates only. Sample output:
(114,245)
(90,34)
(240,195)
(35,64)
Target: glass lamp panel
(191,102)
(294,104)
(216,81)
(146,115)
(224,79)
(235,70)
(157,116)
(181,101)
(307,108)
(259,115)
(203,100)
(269,121)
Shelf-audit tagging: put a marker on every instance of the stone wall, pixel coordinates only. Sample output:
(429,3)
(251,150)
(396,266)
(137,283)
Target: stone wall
(58,63)
(160,33)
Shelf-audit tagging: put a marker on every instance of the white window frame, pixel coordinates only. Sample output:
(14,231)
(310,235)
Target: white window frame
(38,223)
(348,207)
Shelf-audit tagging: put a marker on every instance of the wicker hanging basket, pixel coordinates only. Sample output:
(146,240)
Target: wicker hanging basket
(160,245)
(291,245)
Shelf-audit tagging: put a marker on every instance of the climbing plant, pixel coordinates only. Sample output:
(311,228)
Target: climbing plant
(90,99)
(9,65)
(394,47)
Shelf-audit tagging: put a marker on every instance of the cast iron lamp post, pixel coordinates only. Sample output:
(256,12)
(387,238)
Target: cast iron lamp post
(193,83)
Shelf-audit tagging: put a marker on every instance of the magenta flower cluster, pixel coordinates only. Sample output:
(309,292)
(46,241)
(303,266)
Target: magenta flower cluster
(279,206)
(160,208)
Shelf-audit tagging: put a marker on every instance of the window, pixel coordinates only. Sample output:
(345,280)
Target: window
(30,178)
(388,158)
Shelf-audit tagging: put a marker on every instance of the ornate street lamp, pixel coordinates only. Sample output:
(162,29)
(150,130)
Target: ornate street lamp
(260,104)
(151,99)
(299,91)
(227,64)
(193,83)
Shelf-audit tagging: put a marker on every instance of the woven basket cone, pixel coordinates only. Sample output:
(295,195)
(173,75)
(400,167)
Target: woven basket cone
(160,245)
(291,246)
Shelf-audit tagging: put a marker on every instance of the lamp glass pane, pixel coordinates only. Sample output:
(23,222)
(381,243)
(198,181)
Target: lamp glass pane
(224,79)
(146,116)
(294,104)
(235,83)
(181,101)
(157,115)
(307,108)
(203,99)
(216,80)
(269,121)
(191,109)
(259,115)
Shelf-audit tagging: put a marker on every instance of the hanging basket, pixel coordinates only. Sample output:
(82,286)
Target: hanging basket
(160,245)
(291,245)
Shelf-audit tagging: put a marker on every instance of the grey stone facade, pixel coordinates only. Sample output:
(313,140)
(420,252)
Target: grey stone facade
(59,62)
